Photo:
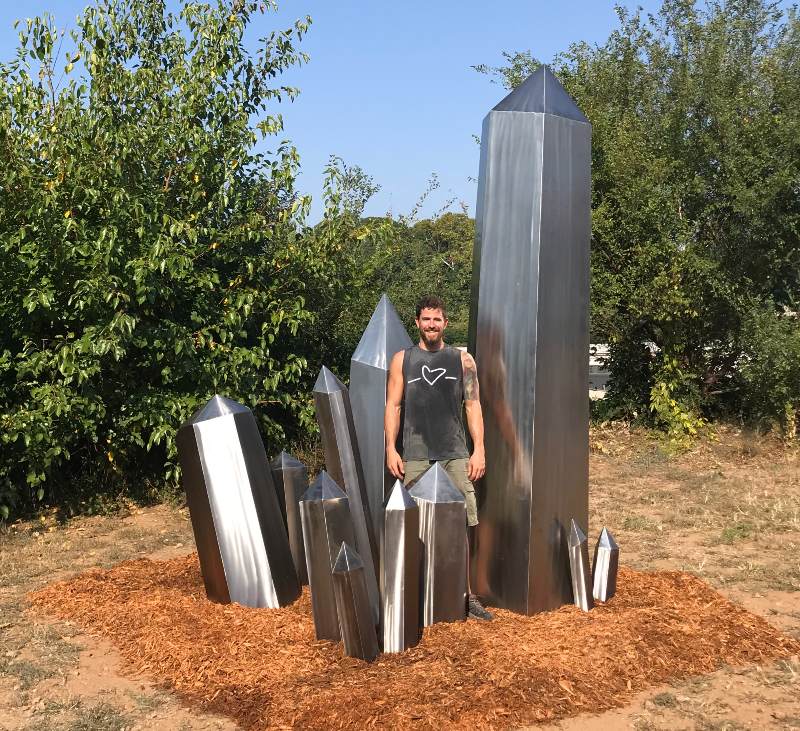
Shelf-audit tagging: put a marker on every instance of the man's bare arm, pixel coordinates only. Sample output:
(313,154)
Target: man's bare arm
(472,404)
(391,417)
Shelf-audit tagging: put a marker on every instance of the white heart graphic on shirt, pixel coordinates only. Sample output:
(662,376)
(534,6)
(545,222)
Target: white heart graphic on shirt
(428,372)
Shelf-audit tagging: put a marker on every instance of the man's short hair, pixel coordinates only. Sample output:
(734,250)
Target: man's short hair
(431,302)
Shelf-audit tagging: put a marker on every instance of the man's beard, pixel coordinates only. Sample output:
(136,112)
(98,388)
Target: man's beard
(432,338)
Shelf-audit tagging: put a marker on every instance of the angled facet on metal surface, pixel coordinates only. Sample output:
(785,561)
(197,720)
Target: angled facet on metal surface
(529,334)
(343,462)
(325,516)
(352,605)
(579,568)
(241,540)
(384,336)
(291,482)
(401,565)
(605,566)
(442,531)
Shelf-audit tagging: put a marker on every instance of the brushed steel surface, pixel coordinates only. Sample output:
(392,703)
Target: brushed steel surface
(291,482)
(579,568)
(605,567)
(529,336)
(241,540)
(384,336)
(442,532)
(352,605)
(326,521)
(343,462)
(401,567)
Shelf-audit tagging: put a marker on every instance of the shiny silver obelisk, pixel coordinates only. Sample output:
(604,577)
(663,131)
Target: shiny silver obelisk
(343,462)
(605,567)
(530,337)
(241,540)
(384,336)
(291,482)
(401,563)
(579,568)
(325,515)
(352,605)
(442,531)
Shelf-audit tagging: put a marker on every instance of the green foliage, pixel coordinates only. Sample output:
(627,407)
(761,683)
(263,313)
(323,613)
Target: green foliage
(695,116)
(150,256)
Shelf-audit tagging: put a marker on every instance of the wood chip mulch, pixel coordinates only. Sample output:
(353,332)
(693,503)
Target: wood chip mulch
(264,669)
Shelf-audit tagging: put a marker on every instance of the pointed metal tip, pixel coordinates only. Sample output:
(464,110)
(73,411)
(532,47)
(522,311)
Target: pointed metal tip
(436,486)
(285,461)
(541,92)
(327,382)
(606,540)
(399,498)
(576,535)
(218,406)
(384,336)
(324,488)
(347,560)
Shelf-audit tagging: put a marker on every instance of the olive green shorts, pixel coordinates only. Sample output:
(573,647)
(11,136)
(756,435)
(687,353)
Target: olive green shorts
(457,471)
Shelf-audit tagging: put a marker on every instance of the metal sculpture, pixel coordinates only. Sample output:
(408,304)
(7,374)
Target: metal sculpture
(291,481)
(343,462)
(529,335)
(442,531)
(241,540)
(384,336)
(400,580)
(579,568)
(605,566)
(325,516)
(352,605)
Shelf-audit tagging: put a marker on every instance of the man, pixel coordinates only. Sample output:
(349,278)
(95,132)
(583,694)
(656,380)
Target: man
(430,382)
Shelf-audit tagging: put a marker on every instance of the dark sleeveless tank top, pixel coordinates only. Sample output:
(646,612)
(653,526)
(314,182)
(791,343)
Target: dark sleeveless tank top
(433,394)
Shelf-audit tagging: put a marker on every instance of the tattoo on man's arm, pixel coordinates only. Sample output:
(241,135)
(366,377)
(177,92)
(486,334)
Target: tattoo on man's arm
(470,381)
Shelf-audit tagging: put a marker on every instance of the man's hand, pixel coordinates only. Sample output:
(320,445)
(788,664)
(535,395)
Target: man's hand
(395,463)
(476,468)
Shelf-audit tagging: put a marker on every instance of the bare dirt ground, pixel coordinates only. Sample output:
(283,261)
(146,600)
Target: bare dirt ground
(728,511)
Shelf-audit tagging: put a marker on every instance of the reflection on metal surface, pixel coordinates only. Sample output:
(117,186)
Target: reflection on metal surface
(605,566)
(343,462)
(579,568)
(325,515)
(352,606)
(369,368)
(401,563)
(291,481)
(241,541)
(443,531)
(529,335)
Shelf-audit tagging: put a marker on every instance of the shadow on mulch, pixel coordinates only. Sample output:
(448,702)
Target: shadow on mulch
(264,669)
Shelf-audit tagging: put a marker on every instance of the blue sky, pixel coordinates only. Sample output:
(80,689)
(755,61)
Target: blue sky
(390,86)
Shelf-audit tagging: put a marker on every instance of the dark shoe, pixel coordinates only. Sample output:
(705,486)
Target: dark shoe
(477,610)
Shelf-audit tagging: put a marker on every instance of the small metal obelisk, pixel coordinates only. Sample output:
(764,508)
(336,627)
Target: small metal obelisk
(325,515)
(443,532)
(579,568)
(401,565)
(343,462)
(241,540)
(605,566)
(352,606)
(291,482)
(384,336)
(529,333)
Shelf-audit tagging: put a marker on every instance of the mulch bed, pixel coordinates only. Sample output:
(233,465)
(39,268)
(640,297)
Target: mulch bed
(264,669)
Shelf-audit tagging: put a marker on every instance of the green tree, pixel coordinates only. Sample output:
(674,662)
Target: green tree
(151,256)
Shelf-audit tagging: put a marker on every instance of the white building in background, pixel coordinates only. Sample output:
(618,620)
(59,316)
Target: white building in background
(598,370)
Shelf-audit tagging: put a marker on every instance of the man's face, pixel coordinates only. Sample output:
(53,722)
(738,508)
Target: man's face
(431,323)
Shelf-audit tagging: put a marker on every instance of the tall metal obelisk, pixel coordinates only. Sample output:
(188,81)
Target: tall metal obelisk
(384,336)
(529,334)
